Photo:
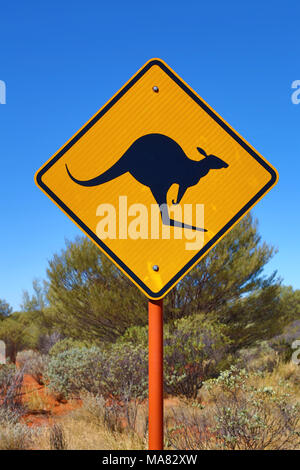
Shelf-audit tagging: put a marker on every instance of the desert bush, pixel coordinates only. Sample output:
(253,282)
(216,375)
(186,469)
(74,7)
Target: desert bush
(188,428)
(283,348)
(242,416)
(11,380)
(286,373)
(8,416)
(94,406)
(66,344)
(33,363)
(137,335)
(282,344)
(194,350)
(102,412)
(295,377)
(15,436)
(7,373)
(57,438)
(71,372)
(128,370)
(47,341)
(113,414)
(128,378)
(119,374)
(262,358)
(120,371)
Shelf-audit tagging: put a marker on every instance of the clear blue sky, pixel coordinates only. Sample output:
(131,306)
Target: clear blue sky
(62,60)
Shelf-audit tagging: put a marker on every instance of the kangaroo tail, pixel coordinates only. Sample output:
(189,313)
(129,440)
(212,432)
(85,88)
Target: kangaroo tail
(118,169)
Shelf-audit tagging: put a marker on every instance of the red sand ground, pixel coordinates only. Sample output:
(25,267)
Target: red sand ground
(49,406)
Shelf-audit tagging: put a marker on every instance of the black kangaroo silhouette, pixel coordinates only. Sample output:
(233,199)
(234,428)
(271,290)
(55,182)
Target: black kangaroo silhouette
(157,161)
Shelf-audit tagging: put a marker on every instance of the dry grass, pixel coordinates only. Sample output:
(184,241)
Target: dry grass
(15,436)
(288,373)
(81,433)
(37,402)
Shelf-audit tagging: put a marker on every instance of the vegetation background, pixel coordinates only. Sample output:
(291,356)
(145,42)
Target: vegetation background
(228,337)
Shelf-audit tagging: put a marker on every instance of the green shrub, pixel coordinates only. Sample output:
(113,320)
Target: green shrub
(120,371)
(137,335)
(261,358)
(128,371)
(66,344)
(194,350)
(241,416)
(251,417)
(76,370)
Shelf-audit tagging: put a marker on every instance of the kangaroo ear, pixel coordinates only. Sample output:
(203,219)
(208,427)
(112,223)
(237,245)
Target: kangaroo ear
(202,151)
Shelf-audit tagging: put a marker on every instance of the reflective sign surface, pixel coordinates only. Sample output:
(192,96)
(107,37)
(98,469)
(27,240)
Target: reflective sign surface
(156,178)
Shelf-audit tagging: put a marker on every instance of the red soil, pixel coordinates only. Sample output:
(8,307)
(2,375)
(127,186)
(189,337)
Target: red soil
(48,405)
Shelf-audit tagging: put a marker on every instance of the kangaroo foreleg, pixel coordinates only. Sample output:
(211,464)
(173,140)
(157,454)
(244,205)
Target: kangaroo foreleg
(175,223)
(181,192)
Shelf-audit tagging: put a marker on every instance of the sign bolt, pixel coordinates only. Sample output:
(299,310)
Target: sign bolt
(155,268)
(155,89)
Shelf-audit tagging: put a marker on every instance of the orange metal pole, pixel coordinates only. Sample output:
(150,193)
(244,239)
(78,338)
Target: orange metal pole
(156,418)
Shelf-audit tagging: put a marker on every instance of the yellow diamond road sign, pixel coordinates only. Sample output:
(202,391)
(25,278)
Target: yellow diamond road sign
(156,178)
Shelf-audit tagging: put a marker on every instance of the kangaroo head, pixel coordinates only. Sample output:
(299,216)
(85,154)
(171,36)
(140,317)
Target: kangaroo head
(213,162)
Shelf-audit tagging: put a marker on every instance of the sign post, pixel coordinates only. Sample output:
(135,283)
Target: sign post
(156,426)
